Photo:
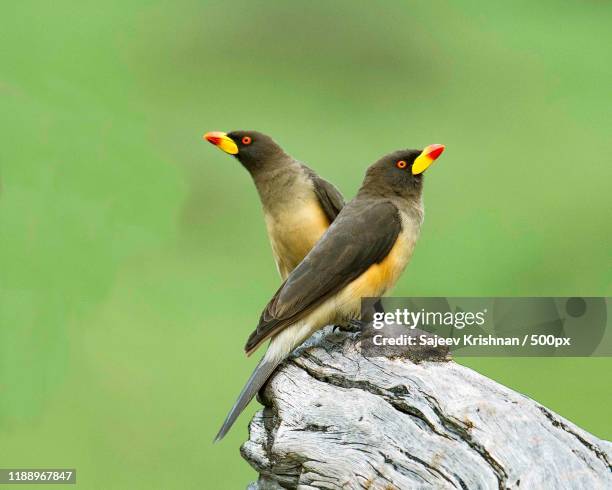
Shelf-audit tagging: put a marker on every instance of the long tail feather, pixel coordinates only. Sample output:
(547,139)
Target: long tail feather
(260,375)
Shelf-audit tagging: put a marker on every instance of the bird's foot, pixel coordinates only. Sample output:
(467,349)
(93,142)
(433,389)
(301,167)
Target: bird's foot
(352,326)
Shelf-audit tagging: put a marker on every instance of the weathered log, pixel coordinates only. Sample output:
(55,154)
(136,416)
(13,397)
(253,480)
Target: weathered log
(336,419)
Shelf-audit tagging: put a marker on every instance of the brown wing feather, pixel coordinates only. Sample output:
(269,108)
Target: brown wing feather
(329,196)
(362,235)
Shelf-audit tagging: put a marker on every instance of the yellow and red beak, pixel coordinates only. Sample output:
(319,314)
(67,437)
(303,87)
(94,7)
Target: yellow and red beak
(426,158)
(222,141)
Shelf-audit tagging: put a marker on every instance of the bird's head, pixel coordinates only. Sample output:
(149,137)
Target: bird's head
(252,148)
(401,172)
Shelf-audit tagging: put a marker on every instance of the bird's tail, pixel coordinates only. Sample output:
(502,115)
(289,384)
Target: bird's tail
(260,375)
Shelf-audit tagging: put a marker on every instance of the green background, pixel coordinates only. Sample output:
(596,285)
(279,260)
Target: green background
(133,256)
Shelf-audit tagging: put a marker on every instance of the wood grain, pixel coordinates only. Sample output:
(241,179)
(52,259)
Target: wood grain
(335,419)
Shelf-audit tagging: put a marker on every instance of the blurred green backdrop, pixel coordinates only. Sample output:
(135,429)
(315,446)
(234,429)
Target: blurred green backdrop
(134,260)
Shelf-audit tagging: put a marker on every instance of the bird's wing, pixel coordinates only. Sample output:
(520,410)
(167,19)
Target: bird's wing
(329,196)
(362,235)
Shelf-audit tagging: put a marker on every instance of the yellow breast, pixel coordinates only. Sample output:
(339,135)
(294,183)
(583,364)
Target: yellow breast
(294,231)
(381,277)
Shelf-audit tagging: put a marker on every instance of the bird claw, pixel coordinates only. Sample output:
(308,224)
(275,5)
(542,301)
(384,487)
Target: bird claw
(352,326)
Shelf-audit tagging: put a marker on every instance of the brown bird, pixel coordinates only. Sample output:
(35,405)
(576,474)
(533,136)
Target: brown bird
(298,205)
(362,254)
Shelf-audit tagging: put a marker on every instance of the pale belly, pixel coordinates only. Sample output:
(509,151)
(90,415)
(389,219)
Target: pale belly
(293,233)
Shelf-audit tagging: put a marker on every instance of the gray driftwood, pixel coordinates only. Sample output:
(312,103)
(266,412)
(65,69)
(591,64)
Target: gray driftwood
(336,419)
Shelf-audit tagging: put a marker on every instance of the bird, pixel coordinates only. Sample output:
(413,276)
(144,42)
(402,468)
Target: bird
(362,254)
(298,205)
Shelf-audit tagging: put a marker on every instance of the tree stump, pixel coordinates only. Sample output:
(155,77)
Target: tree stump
(335,419)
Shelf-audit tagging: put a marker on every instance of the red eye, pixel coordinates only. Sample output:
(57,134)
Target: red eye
(246,140)
(401,164)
